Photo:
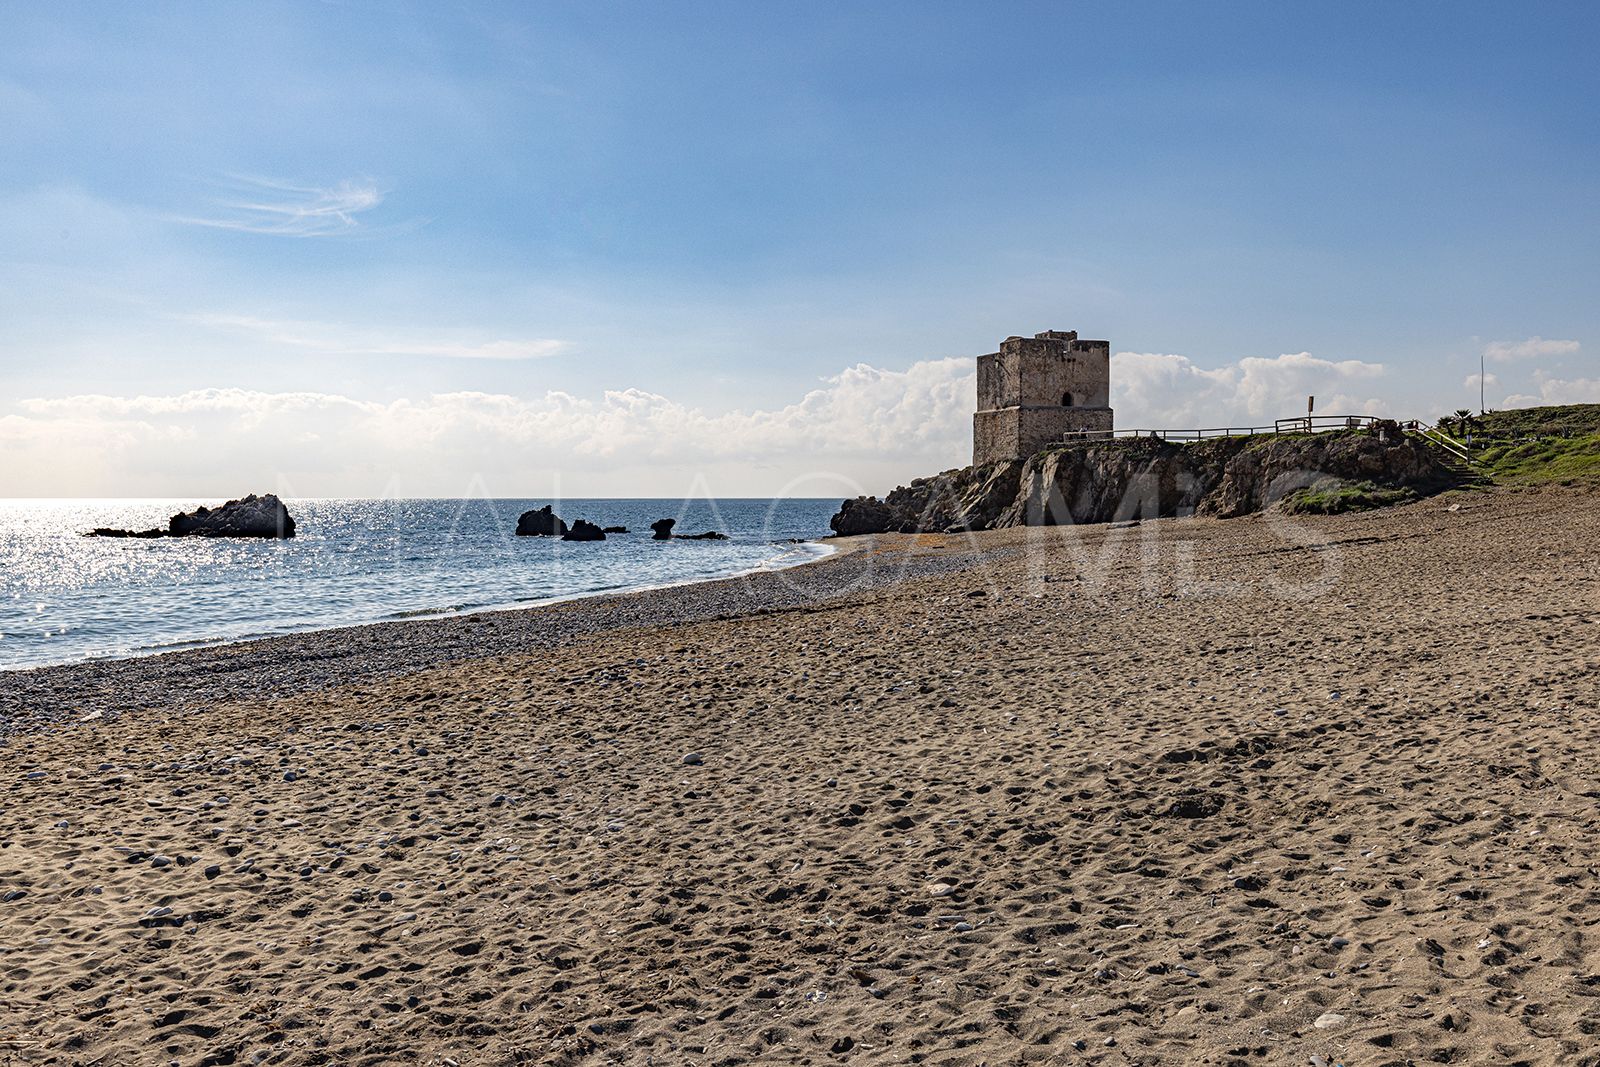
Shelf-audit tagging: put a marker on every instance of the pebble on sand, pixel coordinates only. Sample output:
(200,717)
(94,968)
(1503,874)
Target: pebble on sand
(1328,1020)
(693,759)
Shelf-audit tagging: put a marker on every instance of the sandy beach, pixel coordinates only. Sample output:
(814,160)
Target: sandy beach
(1184,792)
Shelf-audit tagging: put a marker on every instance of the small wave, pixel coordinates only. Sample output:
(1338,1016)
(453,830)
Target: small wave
(432,612)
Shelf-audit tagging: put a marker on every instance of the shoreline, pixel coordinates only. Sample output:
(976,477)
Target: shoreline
(277,665)
(421,615)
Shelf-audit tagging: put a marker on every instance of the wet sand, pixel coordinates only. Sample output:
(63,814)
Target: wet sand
(1190,792)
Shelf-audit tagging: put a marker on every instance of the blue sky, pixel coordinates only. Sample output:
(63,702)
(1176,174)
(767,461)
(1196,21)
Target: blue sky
(277,227)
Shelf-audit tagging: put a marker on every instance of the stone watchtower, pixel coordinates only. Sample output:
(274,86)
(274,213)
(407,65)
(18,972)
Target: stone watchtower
(1037,389)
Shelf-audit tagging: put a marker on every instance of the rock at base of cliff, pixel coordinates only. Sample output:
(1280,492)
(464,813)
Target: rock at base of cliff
(541,523)
(864,515)
(584,530)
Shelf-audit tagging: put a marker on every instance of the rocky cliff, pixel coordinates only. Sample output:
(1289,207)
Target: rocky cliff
(1141,478)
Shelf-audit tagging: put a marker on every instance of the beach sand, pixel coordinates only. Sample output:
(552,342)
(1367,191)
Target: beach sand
(1189,792)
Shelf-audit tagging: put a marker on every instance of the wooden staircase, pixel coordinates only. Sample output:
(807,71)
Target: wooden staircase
(1454,455)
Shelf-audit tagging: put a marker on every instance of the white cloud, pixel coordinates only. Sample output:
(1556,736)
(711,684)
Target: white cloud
(342,340)
(862,430)
(266,206)
(1532,348)
(862,426)
(1156,391)
(1554,390)
(1471,381)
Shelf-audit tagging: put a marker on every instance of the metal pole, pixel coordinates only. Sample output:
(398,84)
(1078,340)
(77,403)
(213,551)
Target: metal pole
(1481,408)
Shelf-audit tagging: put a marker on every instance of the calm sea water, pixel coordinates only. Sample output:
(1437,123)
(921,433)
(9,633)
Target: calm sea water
(64,597)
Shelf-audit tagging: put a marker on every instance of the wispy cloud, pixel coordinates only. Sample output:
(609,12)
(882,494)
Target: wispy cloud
(1532,348)
(344,340)
(281,209)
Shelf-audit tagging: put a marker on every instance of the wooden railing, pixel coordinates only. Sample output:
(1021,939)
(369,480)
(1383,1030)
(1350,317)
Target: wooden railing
(1301,424)
(1323,423)
(1435,436)
(1298,424)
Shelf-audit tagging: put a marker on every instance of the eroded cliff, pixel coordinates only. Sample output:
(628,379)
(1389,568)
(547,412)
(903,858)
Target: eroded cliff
(1140,478)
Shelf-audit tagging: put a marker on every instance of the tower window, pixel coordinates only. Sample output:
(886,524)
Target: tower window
(1066,400)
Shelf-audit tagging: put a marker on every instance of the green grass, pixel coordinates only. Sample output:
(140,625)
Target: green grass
(1343,497)
(1550,459)
(1571,420)
(1559,444)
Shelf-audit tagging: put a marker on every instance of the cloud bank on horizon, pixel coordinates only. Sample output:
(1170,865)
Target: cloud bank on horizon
(862,430)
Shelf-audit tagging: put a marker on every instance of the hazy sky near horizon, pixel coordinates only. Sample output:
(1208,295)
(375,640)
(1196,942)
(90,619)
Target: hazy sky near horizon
(351,248)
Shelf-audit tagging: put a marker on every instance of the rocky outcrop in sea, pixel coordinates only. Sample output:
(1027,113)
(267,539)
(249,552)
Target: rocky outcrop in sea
(542,522)
(251,516)
(661,530)
(584,530)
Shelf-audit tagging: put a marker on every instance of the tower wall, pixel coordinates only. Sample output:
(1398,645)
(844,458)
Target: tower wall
(1035,390)
(1015,433)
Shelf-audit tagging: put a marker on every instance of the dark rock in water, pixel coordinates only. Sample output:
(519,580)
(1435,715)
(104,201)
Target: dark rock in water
(661,530)
(253,516)
(1146,478)
(541,523)
(584,530)
(616,529)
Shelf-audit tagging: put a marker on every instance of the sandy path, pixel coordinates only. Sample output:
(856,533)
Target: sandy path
(1186,793)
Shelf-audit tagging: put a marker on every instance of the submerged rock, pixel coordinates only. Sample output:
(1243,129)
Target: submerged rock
(584,530)
(541,523)
(616,529)
(709,535)
(251,516)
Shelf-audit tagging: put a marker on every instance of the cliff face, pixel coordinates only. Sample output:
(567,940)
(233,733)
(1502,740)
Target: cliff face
(1142,478)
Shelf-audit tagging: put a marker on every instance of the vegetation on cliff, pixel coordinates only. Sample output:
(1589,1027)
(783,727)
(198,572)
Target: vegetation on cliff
(1537,445)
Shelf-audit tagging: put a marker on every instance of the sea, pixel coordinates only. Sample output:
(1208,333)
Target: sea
(66,598)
